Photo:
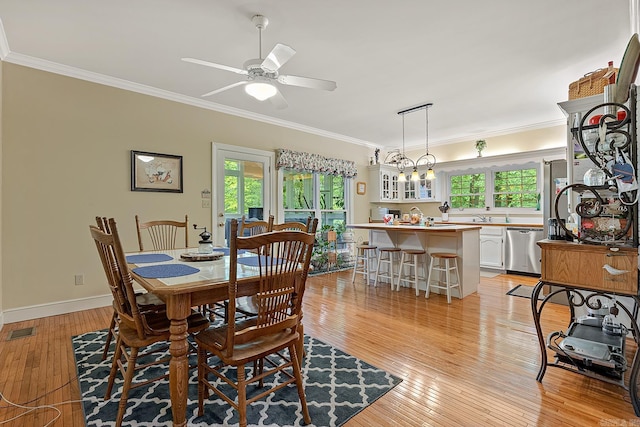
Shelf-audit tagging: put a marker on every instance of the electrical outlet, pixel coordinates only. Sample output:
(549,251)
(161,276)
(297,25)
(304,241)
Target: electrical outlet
(206,203)
(79,279)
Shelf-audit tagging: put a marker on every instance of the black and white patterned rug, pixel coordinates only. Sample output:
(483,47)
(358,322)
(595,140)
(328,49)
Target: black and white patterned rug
(337,387)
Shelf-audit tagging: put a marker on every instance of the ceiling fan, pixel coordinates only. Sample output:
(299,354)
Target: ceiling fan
(262,74)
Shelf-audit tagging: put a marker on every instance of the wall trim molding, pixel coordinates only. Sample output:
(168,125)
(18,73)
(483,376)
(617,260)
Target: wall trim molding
(76,73)
(53,309)
(41,64)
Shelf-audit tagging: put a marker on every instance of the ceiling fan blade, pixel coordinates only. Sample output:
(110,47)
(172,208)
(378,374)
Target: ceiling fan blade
(307,82)
(278,100)
(222,89)
(214,65)
(279,55)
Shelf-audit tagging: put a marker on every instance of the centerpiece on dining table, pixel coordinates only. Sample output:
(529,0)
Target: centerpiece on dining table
(205,248)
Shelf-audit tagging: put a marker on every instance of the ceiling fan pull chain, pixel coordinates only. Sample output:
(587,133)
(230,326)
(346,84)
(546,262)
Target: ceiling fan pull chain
(260,42)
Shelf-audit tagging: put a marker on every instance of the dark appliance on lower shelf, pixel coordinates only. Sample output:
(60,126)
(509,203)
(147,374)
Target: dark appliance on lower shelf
(590,348)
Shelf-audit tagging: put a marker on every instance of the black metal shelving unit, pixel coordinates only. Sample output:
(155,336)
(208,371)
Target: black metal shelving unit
(610,213)
(618,210)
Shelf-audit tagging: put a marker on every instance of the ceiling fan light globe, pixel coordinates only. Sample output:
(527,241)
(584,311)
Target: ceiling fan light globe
(402,177)
(415,176)
(260,90)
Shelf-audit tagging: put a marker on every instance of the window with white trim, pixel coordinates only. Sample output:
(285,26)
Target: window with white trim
(467,190)
(515,188)
(319,195)
(512,186)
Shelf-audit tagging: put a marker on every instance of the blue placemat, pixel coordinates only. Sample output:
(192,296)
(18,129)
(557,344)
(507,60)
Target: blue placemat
(225,251)
(165,270)
(142,258)
(264,260)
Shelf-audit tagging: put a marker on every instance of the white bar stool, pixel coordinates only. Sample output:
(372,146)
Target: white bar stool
(446,269)
(409,259)
(388,257)
(365,254)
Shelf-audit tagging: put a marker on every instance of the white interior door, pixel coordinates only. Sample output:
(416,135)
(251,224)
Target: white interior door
(242,185)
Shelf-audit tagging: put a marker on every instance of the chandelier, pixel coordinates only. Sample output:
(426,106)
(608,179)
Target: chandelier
(429,160)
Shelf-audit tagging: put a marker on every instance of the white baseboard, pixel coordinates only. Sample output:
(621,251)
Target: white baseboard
(53,309)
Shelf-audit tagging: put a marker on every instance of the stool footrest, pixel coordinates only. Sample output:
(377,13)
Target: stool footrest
(447,263)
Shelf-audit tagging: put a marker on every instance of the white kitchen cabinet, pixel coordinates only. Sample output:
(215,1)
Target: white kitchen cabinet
(420,190)
(385,187)
(492,247)
(383,180)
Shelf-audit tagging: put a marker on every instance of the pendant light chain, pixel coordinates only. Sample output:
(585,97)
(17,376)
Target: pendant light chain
(402,177)
(426,113)
(429,160)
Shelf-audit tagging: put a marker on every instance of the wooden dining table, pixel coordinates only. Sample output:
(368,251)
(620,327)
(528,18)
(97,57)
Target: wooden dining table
(181,293)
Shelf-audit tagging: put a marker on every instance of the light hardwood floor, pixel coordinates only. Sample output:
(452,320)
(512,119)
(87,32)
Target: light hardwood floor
(471,363)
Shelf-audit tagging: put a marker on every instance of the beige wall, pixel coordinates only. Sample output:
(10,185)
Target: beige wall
(518,142)
(65,159)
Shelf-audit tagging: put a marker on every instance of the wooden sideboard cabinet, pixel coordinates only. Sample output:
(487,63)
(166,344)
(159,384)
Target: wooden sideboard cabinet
(590,277)
(584,266)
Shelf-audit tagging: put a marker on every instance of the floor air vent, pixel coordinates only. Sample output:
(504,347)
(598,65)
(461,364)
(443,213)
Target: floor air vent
(21,333)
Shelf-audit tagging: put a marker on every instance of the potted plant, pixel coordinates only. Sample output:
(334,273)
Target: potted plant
(320,254)
(481,144)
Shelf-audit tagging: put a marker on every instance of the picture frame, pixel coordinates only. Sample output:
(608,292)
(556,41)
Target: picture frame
(156,172)
(361,187)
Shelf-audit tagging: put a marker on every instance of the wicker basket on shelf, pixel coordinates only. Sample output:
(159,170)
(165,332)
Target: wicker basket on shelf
(593,83)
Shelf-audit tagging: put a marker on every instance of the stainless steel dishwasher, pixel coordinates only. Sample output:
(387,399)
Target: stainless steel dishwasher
(522,254)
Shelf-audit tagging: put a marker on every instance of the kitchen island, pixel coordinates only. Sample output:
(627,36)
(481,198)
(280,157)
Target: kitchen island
(464,240)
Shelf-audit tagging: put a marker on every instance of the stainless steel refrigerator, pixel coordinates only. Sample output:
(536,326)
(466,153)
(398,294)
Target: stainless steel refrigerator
(554,179)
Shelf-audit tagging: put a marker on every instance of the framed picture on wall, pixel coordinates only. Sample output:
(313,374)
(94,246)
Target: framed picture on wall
(361,187)
(156,172)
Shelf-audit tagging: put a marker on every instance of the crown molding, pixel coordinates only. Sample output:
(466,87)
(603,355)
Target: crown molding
(4,44)
(41,64)
(64,70)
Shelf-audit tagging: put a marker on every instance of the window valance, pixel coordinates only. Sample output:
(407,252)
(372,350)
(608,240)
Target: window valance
(315,163)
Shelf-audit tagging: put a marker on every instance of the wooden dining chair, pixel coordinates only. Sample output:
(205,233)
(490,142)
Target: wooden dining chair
(282,278)
(293,225)
(138,327)
(246,306)
(252,228)
(144,300)
(163,233)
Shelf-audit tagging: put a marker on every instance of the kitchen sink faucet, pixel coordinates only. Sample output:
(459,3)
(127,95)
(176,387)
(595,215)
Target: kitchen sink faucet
(482,218)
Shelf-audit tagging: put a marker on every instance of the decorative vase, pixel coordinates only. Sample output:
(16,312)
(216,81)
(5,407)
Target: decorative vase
(479,153)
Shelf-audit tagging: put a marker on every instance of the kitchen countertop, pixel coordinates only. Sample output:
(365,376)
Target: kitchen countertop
(492,224)
(438,227)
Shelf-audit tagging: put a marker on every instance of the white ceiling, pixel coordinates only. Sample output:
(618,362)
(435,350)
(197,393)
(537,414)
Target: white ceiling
(490,67)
